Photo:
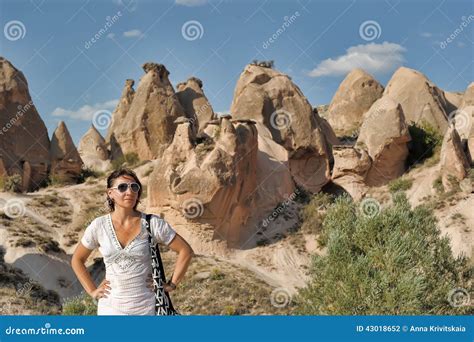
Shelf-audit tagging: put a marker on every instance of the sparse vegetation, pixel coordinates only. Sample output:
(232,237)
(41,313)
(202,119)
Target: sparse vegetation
(27,294)
(215,288)
(438,185)
(11,183)
(393,263)
(425,144)
(313,213)
(88,173)
(400,184)
(83,305)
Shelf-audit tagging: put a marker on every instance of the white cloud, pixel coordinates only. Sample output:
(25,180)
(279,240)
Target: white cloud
(133,33)
(426,34)
(191,3)
(373,58)
(86,112)
(111,35)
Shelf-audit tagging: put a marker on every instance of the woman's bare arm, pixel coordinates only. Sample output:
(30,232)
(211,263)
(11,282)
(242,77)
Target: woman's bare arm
(185,253)
(78,261)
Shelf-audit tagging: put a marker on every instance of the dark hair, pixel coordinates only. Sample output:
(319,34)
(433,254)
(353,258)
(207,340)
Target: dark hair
(116,174)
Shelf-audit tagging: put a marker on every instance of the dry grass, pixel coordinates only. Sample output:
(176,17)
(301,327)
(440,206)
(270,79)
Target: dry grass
(216,288)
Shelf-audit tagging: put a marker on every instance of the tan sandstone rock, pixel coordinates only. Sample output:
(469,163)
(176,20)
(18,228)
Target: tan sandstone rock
(463,119)
(357,92)
(211,182)
(454,164)
(384,135)
(194,102)
(351,165)
(66,163)
(93,150)
(148,126)
(24,141)
(421,101)
(272,99)
(118,119)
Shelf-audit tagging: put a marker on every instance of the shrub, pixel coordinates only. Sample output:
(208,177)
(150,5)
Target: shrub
(313,213)
(88,173)
(83,305)
(400,184)
(393,263)
(12,183)
(438,185)
(425,143)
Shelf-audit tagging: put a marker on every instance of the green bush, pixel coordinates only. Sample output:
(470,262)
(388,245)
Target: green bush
(12,183)
(88,173)
(425,143)
(400,184)
(393,263)
(438,185)
(83,305)
(313,213)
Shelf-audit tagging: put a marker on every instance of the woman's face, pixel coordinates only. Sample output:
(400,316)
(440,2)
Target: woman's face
(125,199)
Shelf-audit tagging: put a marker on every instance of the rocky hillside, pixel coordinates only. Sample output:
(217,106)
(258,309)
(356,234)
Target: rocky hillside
(236,186)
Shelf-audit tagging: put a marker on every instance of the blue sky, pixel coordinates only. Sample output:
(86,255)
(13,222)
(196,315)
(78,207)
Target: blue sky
(315,42)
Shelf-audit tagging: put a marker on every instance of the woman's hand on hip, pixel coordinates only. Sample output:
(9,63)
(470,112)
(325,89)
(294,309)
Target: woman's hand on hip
(102,290)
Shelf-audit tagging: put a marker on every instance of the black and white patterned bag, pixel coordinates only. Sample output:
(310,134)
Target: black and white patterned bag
(163,305)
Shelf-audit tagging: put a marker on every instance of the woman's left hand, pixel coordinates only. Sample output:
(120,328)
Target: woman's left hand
(168,288)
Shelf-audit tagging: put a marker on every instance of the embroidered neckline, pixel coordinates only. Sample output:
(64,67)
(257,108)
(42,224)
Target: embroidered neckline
(114,236)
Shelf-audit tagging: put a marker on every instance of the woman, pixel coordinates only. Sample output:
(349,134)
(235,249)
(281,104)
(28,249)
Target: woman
(122,239)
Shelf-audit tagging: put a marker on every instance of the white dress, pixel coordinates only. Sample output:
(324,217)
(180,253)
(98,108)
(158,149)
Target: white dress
(126,268)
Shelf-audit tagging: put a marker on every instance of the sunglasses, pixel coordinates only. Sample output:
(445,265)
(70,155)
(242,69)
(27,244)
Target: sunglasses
(123,187)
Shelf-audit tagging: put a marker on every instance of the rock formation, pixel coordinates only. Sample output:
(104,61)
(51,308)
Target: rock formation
(384,135)
(118,119)
(148,126)
(463,119)
(351,165)
(66,163)
(353,98)
(93,150)
(212,180)
(454,164)
(273,100)
(194,102)
(421,101)
(24,141)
